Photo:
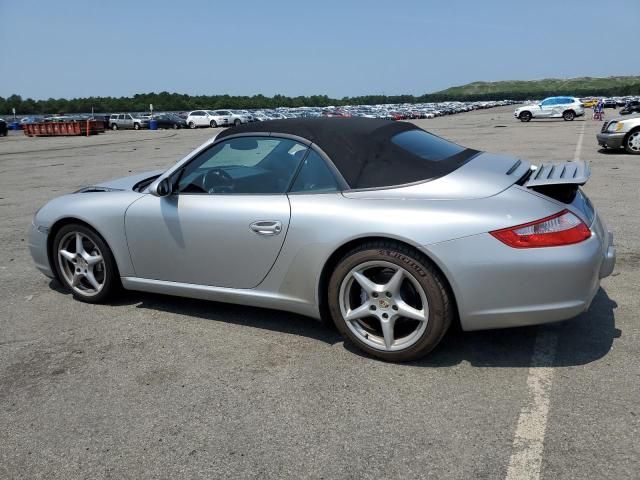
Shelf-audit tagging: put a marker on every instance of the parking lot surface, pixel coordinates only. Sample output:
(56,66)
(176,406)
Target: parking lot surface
(164,387)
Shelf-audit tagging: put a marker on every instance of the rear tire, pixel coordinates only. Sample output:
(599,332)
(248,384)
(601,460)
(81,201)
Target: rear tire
(569,115)
(175,126)
(237,122)
(399,321)
(525,116)
(632,142)
(82,264)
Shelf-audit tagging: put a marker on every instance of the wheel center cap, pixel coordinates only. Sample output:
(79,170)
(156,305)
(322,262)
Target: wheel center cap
(382,303)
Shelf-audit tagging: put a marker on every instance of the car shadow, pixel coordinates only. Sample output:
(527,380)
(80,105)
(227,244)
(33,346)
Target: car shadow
(582,340)
(612,151)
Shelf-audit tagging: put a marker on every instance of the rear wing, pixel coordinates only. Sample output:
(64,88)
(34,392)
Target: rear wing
(561,173)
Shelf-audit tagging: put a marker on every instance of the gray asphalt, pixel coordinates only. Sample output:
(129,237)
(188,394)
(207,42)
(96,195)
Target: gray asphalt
(162,387)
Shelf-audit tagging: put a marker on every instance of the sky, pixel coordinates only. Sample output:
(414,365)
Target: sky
(70,48)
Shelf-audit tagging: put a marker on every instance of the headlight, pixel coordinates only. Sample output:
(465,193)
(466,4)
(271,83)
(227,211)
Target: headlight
(612,126)
(619,126)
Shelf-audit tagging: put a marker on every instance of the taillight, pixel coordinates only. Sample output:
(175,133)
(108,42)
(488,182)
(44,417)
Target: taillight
(563,228)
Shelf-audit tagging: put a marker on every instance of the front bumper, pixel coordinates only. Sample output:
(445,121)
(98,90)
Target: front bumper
(37,241)
(610,140)
(498,287)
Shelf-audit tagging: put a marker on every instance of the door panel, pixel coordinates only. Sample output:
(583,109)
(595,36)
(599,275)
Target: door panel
(206,239)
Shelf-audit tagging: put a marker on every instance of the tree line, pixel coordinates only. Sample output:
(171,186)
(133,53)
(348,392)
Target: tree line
(182,102)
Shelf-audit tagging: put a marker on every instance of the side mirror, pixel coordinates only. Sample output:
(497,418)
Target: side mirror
(161,188)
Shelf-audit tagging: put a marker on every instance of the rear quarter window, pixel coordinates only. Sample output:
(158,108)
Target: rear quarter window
(426,145)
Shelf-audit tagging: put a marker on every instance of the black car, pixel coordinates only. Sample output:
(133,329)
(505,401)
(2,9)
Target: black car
(632,106)
(170,120)
(3,128)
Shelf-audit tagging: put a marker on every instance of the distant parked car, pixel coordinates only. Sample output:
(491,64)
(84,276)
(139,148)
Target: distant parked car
(621,133)
(610,103)
(589,102)
(127,120)
(170,120)
(632,106)
(206,118)
(234,118)
(552,107)
(3,127)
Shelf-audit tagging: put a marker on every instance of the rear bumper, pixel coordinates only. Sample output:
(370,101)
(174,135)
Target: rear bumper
(610,140)
(498,287)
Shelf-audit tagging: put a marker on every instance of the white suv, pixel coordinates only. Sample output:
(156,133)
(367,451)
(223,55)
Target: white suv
(234,117)
(552,107)
(206,118)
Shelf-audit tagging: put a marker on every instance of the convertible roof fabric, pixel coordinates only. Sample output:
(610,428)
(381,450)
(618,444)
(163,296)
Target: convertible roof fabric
(361,149)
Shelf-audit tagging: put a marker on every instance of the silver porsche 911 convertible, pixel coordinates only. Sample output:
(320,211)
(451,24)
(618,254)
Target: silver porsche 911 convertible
(390,231)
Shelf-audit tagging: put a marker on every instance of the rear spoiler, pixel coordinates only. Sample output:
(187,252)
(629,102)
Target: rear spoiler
(561,173)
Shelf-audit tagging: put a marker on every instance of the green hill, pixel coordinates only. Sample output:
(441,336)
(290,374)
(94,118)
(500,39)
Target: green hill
(524,89)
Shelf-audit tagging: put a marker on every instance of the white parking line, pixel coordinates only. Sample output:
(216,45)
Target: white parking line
(528,443)
(576,155)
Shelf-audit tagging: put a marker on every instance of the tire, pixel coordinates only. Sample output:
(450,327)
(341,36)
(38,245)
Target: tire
(114,126)
(175,126)
(136,126)
(192,125)
(105,272)
(569,115)
(421,292)
(525,116)
(632,142)
(237,122)
(213,124)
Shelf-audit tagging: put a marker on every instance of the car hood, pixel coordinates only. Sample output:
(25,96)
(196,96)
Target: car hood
(127,183)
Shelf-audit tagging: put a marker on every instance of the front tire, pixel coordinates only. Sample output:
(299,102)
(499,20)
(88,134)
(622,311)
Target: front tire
(632,143)
(192,125)
(213,124)
(114,126)
(390,301)
(569,115)
(237,122)
(84,264)
(136,126)
(525,116)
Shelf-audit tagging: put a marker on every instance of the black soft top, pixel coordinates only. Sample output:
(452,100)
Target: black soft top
(361,149)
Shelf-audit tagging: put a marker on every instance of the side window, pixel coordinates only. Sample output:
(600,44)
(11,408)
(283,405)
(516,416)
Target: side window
(314,176)
(546,103)
(121,117)
(243,165)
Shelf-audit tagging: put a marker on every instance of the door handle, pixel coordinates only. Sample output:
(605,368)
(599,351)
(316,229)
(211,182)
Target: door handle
(266,227)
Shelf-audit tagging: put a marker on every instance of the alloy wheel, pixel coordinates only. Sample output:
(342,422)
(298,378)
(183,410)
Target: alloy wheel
(633,142)
(82,264)
(384,305)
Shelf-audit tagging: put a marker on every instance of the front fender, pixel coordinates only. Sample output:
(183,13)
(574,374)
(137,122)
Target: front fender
(102,211)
